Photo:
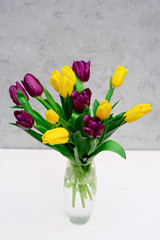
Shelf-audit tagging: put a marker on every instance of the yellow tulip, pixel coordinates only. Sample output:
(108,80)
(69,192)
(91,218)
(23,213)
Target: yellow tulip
(104,110)
(63,83)
(66,87)
(137,112)
(56,136)
(118,76)
(55,80)
(52,116)
(68,73)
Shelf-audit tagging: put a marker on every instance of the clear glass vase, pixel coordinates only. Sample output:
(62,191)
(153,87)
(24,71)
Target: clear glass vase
(79,191)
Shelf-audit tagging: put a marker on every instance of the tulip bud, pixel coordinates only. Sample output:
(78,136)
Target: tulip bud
(93,126)
(137,112)
(52,116)
(32,85)
(81,99)
(13,91)
(68,73)
(55,80)
(118,76)
(82,70)
(25,120)
(56,136)
(63,83)
(104,110)
(66,87)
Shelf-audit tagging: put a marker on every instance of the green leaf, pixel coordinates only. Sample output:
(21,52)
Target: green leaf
(27,107)
(67,125)
(86,110)
(112,146)
(79,85)
(106,123)
(93,144)
(120,115)
(23,101)
(44,102)
(40,120)
(35,135)
(74,116)
(62,148)
(40,128)
(116,123)
(70,139)
(109,133)
(17,107)
(76,155)
(95,106)
(115,104)
(14,124)
(79,123)
(56,107)
(67,106)
(81,143)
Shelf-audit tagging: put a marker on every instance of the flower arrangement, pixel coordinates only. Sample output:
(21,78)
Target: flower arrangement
(71,128)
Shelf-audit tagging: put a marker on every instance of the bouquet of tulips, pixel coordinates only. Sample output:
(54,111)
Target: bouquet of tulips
(72,127)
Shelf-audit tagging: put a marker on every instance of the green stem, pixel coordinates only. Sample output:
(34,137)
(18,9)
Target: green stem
(74,193)
(81,195)
(84,191)
(40,128)
(89,193)
(41,100)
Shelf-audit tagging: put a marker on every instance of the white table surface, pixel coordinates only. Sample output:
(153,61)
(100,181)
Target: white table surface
(127,205)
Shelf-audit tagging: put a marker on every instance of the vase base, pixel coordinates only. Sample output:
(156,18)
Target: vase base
(79,220)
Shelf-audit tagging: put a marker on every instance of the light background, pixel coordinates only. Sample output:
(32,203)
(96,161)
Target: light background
(41,36)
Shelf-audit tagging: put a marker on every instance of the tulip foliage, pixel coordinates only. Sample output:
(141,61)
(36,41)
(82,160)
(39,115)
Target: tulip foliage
(72,127)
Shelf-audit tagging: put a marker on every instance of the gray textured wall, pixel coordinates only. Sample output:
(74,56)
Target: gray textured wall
(41,36)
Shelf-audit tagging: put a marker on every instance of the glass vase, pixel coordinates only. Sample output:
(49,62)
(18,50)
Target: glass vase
(79,191)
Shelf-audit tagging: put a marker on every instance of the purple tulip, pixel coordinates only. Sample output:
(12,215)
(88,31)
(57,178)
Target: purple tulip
(25,120)
(82,70)
(13,91)
(32,85)
(81,99)
(93,126)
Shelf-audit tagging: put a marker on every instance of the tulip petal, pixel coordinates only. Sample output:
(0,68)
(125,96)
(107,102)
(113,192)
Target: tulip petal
(78,107)
(19,116)
(137,112)
(25,120)
(100,130)
(92,125)
(24,125)
(80,98)
(32,85)
(87,92)
(56,136)
(19,86)
(75,94)
(101,112)
(82,70)
(89,132)
(13,94)
(86,119)
(28,118)
(52,116)
(55,80)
